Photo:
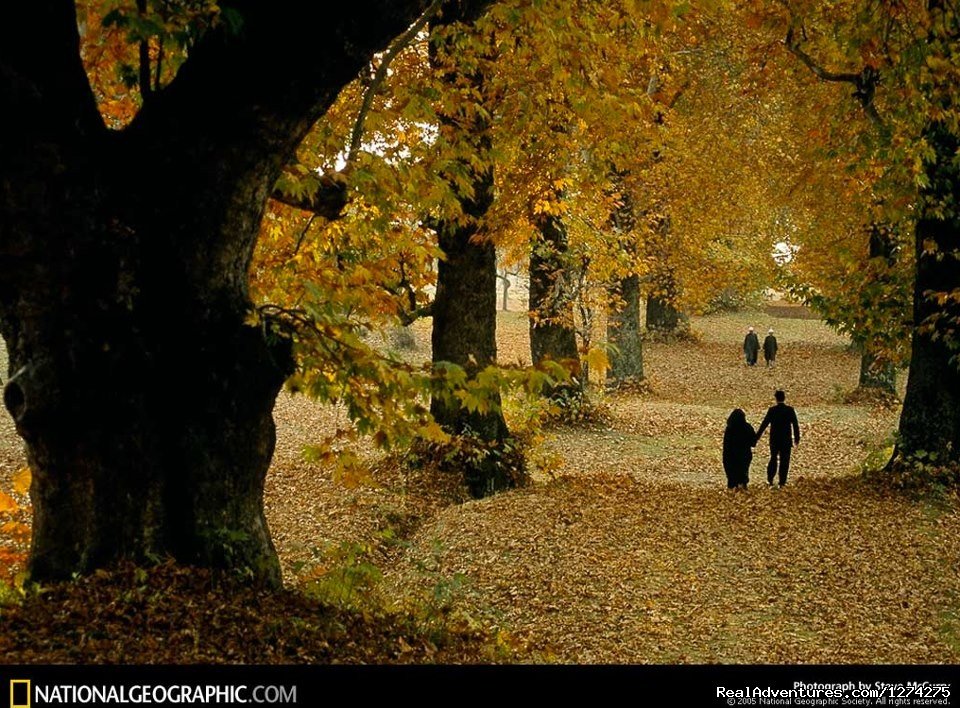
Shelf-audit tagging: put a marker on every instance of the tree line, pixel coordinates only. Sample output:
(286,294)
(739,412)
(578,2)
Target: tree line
(205,200)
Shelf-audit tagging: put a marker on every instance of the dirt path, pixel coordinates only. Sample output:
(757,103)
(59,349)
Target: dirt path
(617,570)
(637,553)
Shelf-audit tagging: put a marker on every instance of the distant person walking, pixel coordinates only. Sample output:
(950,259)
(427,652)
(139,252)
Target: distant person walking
(782,420)
(751,347)
(770,348)
(738,440)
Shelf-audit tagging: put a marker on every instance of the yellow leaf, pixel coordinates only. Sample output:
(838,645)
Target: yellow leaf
(15,529)
(7,503)
(434,433)
(21,480)
(597,359)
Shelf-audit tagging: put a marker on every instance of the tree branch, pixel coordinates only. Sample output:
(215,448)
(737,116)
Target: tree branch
(398,45)
(794,46)
(247,95)
(327,201)
(146,91)
(408,317)
(43,85)
(330,197)
(865,82)
(413,311)
(303,234)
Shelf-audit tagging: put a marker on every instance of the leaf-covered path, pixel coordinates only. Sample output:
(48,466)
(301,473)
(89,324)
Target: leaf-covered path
(638,553)
(611,569)
(635,551)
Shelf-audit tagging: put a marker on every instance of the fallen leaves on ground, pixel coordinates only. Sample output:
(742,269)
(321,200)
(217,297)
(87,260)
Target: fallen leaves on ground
(177,615)
(635,553)
(612,569)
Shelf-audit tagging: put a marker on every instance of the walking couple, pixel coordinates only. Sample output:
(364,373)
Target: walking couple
(739,438)
(751,347)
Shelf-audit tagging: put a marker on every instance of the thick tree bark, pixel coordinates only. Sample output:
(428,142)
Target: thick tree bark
(551,311)
(623,332)
(930,420)
(877,373)
(465,304)
(464,333)
(143,397)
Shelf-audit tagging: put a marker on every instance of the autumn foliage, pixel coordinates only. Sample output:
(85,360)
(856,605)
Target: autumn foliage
(699,157)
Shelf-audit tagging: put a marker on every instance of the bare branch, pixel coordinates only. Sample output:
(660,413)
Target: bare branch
(408,317)
(398,45)
(331,195)
(146,91)
(303,233)
(865,82)
(794,46)
(413,311)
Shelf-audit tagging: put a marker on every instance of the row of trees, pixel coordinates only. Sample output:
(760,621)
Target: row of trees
(203,200)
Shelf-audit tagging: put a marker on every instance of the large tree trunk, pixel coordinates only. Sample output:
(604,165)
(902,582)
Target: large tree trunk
(465,304)
(930,420)
(146,437)
(143,397)
(551,310)
(623,332)
(662,316)
(464,333)
(875,372)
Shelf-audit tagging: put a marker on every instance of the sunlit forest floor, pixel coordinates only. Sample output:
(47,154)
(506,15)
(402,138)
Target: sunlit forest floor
(632,550)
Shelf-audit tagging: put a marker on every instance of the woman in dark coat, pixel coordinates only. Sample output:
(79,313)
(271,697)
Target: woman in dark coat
(738,439)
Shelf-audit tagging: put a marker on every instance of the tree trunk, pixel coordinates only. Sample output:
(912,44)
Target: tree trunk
(506,289)
(930,420)
(464,333)
(876,373)
(465,303)
(551,311)
(623,332)
(146,408)
(623,321)
(662,316)
(144,398)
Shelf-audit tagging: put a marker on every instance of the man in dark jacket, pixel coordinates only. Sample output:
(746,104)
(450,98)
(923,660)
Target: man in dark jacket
(751,347)
(782,420)
(769,348)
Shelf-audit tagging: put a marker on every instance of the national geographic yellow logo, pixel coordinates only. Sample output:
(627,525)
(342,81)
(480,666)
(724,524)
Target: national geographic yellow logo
(19,693)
